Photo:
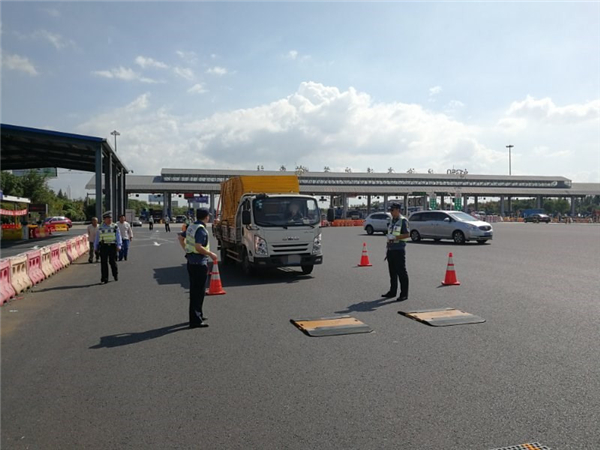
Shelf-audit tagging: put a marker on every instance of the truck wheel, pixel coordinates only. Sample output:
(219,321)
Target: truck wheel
(246,264)
(306,269)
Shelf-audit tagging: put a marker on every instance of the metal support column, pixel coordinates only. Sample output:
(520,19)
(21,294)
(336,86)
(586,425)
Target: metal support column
(385,203)
(99,182)
(465,201)
(108,183)
(344,206)
(509,205)
(538,202)
(119,194)
(572,206)
(113,195)
(476,203)
(502,206)
(368,205)
(125,196)
(212,204)
(443,200)
(406,205)
(165,204)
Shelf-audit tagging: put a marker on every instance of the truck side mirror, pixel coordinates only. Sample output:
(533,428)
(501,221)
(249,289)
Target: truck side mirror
(330,215)
(246,218)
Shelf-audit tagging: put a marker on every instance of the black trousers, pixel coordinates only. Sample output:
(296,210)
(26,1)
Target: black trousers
(108,255)
(150,225)
(198,275)
(397,265)
(167,227)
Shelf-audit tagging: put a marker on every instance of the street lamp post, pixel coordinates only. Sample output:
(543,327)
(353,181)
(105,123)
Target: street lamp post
(509,147)
(115,133)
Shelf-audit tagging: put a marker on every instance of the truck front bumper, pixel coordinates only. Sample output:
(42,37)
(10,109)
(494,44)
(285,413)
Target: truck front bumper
(288,261)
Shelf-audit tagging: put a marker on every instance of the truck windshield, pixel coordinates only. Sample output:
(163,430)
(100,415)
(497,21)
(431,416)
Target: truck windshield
(286,211)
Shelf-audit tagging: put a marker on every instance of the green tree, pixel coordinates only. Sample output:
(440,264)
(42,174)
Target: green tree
(11,184)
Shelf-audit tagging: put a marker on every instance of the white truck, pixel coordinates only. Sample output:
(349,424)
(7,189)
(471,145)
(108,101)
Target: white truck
(266,223)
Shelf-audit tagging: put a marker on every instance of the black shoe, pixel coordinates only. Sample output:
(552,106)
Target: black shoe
(198,325)
(126,258)
(116,278)
(90,261)
(103,281)
(388,295)
(402,298)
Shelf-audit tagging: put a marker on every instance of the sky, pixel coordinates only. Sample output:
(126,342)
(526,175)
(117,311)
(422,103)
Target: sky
(228,85)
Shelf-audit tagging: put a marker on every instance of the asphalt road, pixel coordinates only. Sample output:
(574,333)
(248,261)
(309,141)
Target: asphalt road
(88,366)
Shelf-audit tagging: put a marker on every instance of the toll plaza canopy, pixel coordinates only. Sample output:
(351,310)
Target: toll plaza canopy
(343,184)
(33,148)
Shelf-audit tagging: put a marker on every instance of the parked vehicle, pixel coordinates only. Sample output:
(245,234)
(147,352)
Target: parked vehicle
(58,220)
(136,223)
(180,219)
(377,223)
(536,218)
(266,223)
(456,225)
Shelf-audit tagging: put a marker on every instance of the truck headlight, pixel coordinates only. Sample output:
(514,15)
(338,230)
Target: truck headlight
(260,246)
(317,245)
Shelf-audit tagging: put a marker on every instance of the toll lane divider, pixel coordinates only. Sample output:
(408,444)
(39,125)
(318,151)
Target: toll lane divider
(19,279)
(47,266)
(34,267)
(21,272)
(7,291)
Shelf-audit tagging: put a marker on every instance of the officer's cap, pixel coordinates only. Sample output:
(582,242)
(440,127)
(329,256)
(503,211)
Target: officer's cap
(395,206)
(107,214)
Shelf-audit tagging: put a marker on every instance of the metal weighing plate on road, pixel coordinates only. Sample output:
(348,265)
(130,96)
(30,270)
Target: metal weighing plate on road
(532,446)
(442,317)
(331,326)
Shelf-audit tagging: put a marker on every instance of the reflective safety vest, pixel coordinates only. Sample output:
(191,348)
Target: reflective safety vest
(395,229)
(108,234)
(190,238)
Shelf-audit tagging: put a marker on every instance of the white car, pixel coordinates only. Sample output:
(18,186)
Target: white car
(377,222)
(455,225)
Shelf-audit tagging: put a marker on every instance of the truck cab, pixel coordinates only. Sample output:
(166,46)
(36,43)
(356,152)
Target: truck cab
(273,230)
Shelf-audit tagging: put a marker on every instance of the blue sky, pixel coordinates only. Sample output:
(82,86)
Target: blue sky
(358,85)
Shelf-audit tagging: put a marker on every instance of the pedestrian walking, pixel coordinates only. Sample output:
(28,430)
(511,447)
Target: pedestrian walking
(108,242)
(126,236)
(167,226)
(92,230)
(195,242)
(398,234)
(151,223)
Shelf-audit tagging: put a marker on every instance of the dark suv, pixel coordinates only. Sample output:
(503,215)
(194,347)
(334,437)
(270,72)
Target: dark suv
(537,218)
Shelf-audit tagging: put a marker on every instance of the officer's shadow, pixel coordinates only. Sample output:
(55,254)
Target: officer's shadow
(368,306)
(117,340)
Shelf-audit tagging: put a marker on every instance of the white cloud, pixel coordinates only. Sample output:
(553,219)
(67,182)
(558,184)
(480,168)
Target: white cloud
(435,90)
(123,73)
(188,57)
(20,63)
(545,110)
(197,89)
(52,12)
(322,125)
(145,62)
(292,54)
(217,71)
(55,39)
(186,73)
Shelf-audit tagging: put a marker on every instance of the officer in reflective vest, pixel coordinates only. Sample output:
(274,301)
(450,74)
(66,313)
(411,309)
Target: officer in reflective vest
(398,234)
(195,242)
(108,242)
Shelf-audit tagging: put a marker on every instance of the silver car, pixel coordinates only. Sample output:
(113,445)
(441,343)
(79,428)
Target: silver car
(377,222)
(455,225)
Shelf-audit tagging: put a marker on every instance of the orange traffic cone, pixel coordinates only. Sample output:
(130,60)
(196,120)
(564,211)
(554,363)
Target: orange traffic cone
(364,259)
(215,288)
(450,279)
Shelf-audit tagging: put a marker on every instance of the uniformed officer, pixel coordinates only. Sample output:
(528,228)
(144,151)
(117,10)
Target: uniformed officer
(398,234)
(195,242)
(108,242)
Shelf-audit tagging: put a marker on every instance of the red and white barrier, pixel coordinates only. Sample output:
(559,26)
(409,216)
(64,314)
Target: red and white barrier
(47,266)
(19,279)
(7,291)
(34,267)
(55,257)
(64,258)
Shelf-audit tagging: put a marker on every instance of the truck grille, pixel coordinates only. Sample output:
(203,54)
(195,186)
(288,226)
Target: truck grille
(289,248)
